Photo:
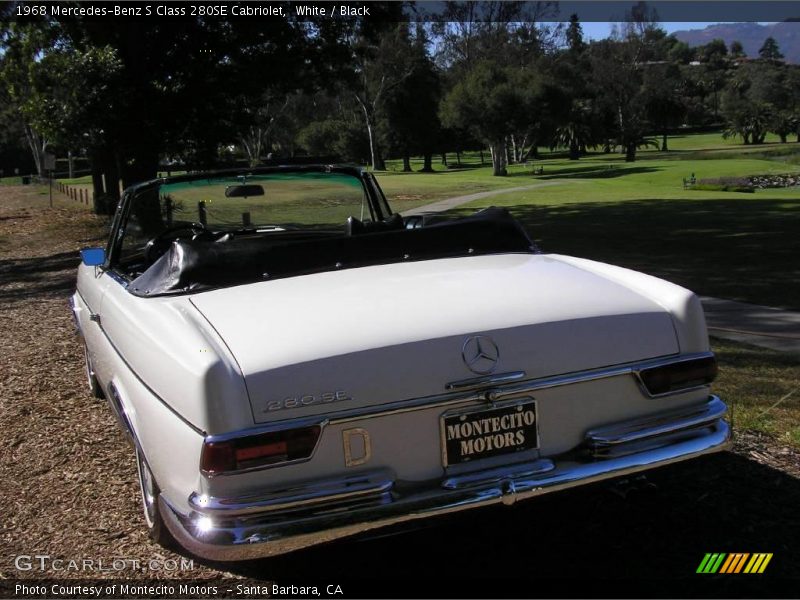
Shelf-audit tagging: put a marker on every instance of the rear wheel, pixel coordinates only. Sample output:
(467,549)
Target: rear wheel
(149,492)
(94,387)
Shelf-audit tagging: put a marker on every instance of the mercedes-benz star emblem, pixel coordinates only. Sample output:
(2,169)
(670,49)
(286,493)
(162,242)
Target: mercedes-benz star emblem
(480,354)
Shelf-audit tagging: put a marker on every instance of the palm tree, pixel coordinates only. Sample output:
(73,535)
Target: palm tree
(575,132)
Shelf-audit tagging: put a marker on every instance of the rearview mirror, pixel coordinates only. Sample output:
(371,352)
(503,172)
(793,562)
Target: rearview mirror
(93,257)
(243,191)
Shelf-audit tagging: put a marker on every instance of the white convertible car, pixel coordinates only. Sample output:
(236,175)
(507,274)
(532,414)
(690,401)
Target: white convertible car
(296,363)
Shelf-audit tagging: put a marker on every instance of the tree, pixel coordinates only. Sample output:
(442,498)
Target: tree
(770,50)
(663,99)
(181,88)
(737,50)
(615,68)
(681,53)
(415,131)
(23,44)
(753,100)
(575,42)
(492,101)
(575,131)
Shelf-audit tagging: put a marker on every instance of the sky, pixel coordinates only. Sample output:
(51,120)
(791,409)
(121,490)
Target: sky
(599,31)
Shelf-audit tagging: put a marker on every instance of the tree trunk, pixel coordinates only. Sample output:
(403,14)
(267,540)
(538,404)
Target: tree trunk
(444,158)
(664,142)
(105,181)
(427,163)
(630,152)
(372,151)
(783,137)
(458,157)
(406,163)
(798,139)
(70,165)
(37,146)
(99,192)
(574,150)
(142,167)
(377,161)
(498,148)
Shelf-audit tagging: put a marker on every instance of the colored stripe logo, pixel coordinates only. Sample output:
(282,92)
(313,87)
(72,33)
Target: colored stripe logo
(736,562)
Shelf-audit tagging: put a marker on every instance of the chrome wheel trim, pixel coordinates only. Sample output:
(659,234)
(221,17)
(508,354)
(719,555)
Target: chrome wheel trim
(147,491)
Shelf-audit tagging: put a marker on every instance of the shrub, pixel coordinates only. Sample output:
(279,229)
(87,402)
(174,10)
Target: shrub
(721,187)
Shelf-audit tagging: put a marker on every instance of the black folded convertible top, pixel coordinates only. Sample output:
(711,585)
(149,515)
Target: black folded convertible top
(198,265)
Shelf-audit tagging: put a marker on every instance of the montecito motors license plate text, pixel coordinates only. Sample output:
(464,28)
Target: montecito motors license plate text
(489,432)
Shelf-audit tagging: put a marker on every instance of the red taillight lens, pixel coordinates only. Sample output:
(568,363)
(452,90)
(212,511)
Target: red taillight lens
(680,375)
(258,450)
(217,457)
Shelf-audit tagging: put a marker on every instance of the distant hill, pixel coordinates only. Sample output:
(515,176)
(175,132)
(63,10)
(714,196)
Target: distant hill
(751,35)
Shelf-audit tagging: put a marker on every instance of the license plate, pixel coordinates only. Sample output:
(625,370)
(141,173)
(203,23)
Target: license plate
(475,434)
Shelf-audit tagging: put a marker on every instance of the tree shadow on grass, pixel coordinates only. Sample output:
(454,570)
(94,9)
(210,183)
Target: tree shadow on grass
(737,249)
(585,171)
(602,172)
(38,277)
(658,529)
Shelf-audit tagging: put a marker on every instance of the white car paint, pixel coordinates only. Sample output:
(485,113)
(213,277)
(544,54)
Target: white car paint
(393,332)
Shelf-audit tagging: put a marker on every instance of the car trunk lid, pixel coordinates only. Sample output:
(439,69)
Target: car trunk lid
(371,336)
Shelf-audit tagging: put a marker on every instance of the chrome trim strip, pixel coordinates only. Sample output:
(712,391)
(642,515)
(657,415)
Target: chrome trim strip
(498,474)
(461,397)
(269,533)
(603,373)
(118,277)
(74,309)
(493,395)
(403,406)
(661,424)
(376,483)
(269,428)
(489,380)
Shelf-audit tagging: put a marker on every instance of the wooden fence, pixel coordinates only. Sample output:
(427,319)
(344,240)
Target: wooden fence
(76,193)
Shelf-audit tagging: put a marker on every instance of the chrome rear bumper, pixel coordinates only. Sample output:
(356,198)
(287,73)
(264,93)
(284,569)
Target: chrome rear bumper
(286,520)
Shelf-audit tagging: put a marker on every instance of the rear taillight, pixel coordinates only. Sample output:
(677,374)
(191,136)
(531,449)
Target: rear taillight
(258,450)
(679,376)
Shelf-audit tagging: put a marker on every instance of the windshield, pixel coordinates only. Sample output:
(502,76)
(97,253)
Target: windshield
(294,200)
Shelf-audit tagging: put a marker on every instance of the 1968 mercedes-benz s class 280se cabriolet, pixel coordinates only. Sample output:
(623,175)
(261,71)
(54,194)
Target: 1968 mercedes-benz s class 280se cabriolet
(296,363)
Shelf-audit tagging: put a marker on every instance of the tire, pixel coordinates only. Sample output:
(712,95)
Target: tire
(149,492)
(94,386)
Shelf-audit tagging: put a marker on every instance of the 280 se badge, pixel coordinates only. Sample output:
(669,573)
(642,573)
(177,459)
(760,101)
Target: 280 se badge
(307,400)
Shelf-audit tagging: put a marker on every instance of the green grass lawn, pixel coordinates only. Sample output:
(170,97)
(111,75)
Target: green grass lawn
(762,389)
(727,244)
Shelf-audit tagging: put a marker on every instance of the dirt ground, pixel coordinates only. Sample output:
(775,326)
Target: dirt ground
(67,478)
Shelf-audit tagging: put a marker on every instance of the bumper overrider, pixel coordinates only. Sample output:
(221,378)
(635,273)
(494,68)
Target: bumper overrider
(321,511)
